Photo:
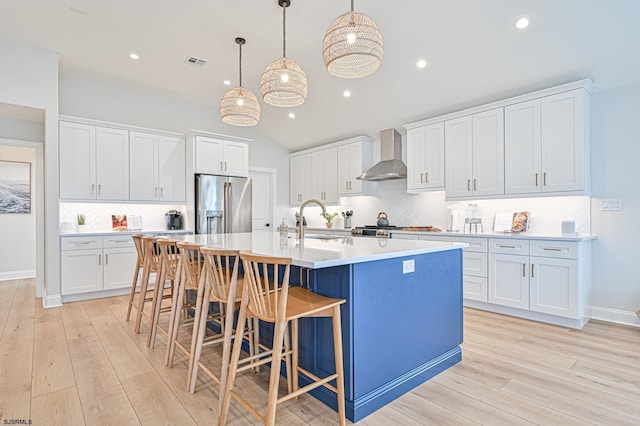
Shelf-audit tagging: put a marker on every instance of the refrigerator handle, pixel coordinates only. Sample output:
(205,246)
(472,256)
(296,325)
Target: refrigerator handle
(227,205)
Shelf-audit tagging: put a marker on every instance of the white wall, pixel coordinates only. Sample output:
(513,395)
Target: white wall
(90,97)
(29,77)
(18,230)
(12,128)
(615,158)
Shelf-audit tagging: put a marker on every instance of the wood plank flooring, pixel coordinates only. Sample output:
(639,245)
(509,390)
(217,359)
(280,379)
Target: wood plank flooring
(83,364)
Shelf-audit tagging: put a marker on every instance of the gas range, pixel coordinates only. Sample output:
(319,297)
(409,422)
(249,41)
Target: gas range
(374,231)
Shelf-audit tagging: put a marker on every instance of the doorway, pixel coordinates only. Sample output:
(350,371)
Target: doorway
(263,198)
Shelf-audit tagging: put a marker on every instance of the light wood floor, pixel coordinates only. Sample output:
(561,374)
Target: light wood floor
(82,364)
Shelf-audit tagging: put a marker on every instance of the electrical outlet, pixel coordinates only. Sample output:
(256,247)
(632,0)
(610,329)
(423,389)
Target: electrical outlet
(611,204)
(408,266)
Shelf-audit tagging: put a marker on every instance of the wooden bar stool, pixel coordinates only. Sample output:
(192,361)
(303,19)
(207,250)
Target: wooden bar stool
(168,267)
(150,266)
(269,300)
(189,278)
(222,284)
(137,241)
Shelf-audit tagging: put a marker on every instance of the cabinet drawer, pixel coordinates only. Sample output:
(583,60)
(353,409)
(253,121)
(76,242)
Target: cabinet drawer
(475,244)
(475,264)
(557,249)
(475,288)
(119,241)
(509,246)
(80,243)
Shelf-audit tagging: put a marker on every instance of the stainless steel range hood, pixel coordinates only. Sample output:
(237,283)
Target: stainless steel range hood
(390,166)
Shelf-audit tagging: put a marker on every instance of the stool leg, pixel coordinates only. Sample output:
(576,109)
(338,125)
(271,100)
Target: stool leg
(175,323)
(256,340)
(274,377)
(337,350)
(158,292)
(142,296)
(294,361)
(133,288)
(225,397)
(174,306)
(287,360)
(197,340)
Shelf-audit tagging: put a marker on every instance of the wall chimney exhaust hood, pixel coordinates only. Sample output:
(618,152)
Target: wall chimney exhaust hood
(390,166)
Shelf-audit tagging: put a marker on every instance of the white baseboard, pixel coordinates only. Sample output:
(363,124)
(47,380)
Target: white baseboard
(17,275)
(615,315)
(52,301)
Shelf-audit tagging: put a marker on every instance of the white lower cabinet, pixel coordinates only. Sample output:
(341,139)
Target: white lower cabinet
(90,264)
(509,282)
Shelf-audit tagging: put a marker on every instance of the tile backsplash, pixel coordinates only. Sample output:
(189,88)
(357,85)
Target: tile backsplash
(98,215)
(546,213)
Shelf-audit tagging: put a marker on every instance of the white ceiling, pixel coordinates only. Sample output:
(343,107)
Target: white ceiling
(474,53)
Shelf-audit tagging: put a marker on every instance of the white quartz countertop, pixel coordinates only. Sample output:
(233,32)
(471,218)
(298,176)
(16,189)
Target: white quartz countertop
(131,232)
(320,252)
(519,235)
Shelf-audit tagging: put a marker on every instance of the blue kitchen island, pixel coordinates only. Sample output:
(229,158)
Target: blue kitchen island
(401,325)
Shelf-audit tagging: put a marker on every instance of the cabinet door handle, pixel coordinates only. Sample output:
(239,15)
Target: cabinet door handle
(533,267)
(350,186)
(161,192)
(221,166)
(421,176)
(544,179)
(99,259)
(346,184)
(524,269)
(99,189)
(225,166)
(106,259)
(82,243)
(155,192)
(475,184)
(468,184)
(511,247)
(426,177)
(536,179)
(551,249)
(93,188)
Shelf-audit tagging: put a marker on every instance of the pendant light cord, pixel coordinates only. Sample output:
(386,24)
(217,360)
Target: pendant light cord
(240,65)
(284,30)
(352,5)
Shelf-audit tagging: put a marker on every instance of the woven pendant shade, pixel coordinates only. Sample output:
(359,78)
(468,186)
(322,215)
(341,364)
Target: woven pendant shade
(239,106)
(277,92)
(352,46)
(283,82)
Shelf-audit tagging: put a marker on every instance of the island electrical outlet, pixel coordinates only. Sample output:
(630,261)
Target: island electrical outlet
(408,266)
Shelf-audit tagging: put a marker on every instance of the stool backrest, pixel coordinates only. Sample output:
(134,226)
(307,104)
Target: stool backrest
(266,281)
(191,261)
(137,241)
(221,270)
(150,252)
(169,257)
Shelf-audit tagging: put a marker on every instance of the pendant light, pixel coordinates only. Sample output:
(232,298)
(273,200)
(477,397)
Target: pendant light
(283,82)
(239,106)
(352,47)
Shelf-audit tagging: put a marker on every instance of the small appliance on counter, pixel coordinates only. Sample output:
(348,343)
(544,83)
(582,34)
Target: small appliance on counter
(473,219)
(173,219)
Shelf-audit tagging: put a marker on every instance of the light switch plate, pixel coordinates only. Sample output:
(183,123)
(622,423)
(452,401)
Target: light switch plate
(408,266)
(611,204)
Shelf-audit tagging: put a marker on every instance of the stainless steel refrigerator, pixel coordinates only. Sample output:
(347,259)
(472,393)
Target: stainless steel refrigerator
(223,204)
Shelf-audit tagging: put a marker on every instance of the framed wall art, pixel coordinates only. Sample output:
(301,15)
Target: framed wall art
(15,187)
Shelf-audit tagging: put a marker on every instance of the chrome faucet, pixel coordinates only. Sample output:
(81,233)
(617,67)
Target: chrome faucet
(301,224)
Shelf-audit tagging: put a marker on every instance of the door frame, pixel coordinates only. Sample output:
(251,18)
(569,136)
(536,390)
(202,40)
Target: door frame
(273,174)
(40,206)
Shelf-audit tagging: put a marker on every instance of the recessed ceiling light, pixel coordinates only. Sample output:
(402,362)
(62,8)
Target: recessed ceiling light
(421,63)
(134,56)
(522,23)
(346,93)
(227,83)
(292,115)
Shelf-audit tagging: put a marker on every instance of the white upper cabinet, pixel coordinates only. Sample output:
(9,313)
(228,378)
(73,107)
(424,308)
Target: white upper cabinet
(354,158)
(324,169)
(546,144)
(157,167)
(564,142)
(474,153)
(425,158)
(221,157)
(300,187)
(94,162)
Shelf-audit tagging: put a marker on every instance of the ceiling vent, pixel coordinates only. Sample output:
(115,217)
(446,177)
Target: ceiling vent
(196,62)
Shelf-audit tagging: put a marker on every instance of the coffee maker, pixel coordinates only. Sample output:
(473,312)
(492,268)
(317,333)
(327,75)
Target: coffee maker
(173,219)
